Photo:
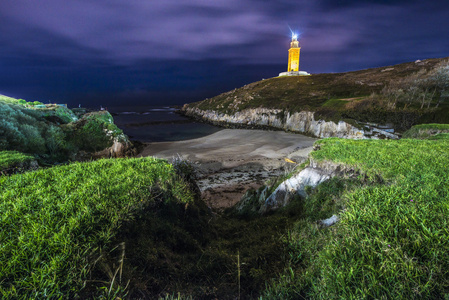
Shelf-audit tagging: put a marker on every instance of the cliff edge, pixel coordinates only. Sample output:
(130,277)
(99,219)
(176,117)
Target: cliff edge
(371,103)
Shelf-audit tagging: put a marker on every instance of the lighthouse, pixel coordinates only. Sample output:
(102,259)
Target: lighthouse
(293,55)
(293,59)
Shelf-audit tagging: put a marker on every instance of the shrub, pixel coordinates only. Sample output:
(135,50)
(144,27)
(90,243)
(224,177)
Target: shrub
(94,132)
(425,131)
(422,88)
(55,140)
(37,131)
(35,103)
(24,130)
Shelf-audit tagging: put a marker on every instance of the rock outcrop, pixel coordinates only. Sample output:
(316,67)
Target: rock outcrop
(311,176)
(262,201)
(299,122)
(118,149)
(329,221)
(293,186)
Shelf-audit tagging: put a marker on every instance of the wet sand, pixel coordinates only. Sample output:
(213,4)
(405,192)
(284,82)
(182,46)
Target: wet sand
(231,161)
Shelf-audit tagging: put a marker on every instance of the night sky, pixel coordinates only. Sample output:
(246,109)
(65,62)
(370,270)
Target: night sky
(161,52)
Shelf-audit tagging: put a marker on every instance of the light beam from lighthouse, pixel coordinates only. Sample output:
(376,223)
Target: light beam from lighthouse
(293,55)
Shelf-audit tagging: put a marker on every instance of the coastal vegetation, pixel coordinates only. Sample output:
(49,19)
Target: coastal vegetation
(425,131)
(54,133)
(22,102)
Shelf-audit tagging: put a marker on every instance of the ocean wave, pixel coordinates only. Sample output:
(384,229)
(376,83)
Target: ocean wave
(167,109)
(128,113)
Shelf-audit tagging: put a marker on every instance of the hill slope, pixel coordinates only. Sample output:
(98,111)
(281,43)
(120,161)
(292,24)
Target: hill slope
(403,95)
(391,240)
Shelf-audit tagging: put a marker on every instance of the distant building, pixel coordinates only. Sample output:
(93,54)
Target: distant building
(293,59)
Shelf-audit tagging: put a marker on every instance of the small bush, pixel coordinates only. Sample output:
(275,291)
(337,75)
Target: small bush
(425,131)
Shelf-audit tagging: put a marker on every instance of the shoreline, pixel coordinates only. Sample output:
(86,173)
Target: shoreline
(231,161)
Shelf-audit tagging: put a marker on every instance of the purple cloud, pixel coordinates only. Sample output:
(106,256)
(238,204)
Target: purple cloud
(81,35)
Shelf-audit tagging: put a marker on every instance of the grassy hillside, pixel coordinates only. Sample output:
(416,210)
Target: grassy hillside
(414,91)
(55,221)
(15,101)
(134,228)
(392,240)
(127,227)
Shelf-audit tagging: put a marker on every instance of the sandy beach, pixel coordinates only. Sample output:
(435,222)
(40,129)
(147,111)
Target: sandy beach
(231,161)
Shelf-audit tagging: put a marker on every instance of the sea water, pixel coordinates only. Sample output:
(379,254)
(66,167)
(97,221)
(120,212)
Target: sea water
(158,124)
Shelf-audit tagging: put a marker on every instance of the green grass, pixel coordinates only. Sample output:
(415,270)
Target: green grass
(10,159)
(52,220)
(289,93)
(336,103)
(440,136)
(392,241)
(424,131)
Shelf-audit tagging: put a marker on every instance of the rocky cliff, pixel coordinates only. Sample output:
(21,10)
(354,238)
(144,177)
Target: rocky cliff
(299,122)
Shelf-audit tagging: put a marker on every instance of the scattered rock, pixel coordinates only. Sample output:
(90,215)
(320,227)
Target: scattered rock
(296,185)
(330,221)
(313,175)
(387,70)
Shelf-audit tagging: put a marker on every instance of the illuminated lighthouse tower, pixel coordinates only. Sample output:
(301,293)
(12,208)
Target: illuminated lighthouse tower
(293,59)
(293,55)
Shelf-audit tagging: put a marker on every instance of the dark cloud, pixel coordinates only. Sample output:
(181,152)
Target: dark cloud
(111,50)
(343,4)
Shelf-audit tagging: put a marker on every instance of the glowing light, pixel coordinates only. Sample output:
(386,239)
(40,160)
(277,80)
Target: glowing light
(294,36)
